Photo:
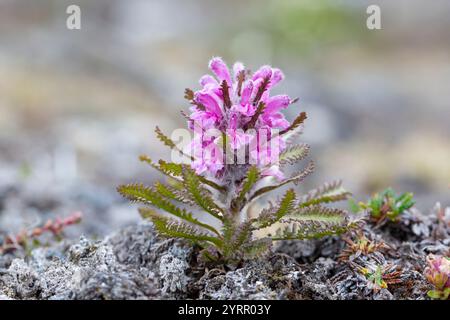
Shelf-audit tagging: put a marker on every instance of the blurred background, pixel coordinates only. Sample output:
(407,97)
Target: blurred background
(78,106)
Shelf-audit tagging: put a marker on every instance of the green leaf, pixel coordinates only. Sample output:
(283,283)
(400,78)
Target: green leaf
(319,213)
(172,170)
(242,235)
(296,179)
(212,184)
(164,139)
(434,294)
(167,168)
(354,206)
(228,228)
(173,193)
(329,192)
(388,204)
(446,293)
(314,222)
(374,205)
(404,202)
(199,194)
(147,195)
(250,180)
(294,154)
(177,229)
(257,248)
(272,215)
(169,142)
(286,205)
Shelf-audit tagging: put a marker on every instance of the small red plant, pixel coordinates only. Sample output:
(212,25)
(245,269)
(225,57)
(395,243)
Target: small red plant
(361,245)
(55,227)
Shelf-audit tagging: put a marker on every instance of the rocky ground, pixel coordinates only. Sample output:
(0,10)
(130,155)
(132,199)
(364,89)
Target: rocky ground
(135,263)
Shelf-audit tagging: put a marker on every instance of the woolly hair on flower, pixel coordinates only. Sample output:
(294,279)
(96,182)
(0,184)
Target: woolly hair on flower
(241,137)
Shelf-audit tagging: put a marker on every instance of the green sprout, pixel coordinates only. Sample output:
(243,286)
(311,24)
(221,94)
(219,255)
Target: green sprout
(381,276)
(385,205)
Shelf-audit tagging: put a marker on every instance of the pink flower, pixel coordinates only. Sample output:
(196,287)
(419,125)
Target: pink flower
(238,106)
(438,274)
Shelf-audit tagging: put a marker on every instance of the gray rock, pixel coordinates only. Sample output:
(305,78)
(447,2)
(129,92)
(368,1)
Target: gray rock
(123,266)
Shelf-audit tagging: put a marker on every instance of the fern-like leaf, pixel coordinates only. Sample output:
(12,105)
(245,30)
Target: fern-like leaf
(296,179)
(313,222)
(328,192)
(174,170)
(173,193)
(228,228)
(177,229)
(147,195)
(318,213)
(170,168)
(257,248)
(169,142)
(167,168)
(294,154)
(242,235)
(192,183)
(250,180)
(274,214)
(164,139)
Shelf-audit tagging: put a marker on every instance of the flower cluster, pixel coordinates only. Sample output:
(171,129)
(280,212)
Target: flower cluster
(438,274)
(236,121)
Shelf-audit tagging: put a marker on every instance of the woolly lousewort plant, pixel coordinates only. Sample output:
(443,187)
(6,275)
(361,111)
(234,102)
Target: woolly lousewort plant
(241,144)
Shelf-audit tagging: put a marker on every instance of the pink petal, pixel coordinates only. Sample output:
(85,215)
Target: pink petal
(276,120)
(262,73)
(277,76)
(247,92)
(210,101)
(276,103)
(205,120)
(208,80)
(220,69)
(247,110)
